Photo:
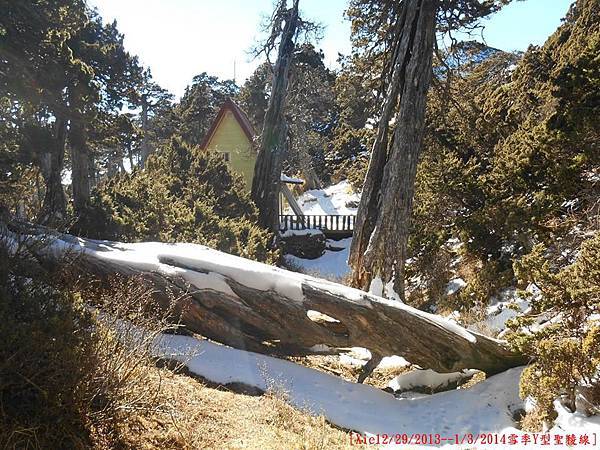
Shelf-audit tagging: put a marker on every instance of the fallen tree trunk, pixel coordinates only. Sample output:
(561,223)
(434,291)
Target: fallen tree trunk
(253,306)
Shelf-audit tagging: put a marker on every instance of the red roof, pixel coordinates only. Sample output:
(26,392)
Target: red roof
(239,115)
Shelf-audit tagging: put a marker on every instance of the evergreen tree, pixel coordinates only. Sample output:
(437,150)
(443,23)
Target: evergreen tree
(105,86)
(311,111)
(36,65)
(273,144)
(61,68)
(566,347)
(397,39)
(183,195)
(153,100)
(200,104)
(254,95)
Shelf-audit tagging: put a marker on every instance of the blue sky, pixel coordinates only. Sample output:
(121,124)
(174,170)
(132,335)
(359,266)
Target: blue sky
(178,39)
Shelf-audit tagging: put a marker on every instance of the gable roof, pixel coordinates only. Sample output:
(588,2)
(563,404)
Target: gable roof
(239,115)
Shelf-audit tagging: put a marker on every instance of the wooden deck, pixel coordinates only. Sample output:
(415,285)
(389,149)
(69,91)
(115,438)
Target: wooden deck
(333,226)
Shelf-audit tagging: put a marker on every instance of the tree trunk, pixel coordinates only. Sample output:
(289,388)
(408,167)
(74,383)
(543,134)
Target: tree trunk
(54,206)
(381,231)
(311,179)
(113,162)
(257,307)
(145,146)
(309,173)
(80,163)
(273,145)
(130,157)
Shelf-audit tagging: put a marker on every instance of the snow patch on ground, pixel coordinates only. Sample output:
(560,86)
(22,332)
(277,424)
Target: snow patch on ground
(306,232)
(338,199)
(487,407)
(332,264)
(506,307)
(427,379)
(568,422)
(455,285)
(483,408)
(393,362)
(358,357)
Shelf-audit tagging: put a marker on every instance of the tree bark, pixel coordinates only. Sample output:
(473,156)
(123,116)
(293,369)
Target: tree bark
(273,145)
(311,179)
(80,164)
(54,206)
(379,245)
(145,146)
(256,307)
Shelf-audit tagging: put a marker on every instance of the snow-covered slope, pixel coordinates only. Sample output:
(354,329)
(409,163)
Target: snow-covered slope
(332,265)
(487,407)
(339,199)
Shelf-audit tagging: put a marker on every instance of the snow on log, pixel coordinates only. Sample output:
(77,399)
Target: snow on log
(257,307)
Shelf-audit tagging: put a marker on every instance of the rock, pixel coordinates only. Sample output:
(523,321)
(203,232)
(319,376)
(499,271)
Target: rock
(305,245)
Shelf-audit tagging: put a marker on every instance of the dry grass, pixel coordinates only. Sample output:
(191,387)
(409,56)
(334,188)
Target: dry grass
(332,365)
(197,416)
(68,373)
(328,364)
(379,378)
(477,378)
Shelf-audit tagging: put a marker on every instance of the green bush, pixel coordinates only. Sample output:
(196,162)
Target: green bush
(184,195)
(42,347)
(68,376)
(348,157)
(566,348)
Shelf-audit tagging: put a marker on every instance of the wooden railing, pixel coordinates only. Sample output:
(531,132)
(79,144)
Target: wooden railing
(332,223)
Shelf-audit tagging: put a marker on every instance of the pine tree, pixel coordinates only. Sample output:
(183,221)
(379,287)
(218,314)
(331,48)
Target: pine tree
(397,39)
(381,229)
(273,143)
(565,350)
(184,194)
(200,104)
(63,67)
(35,66)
